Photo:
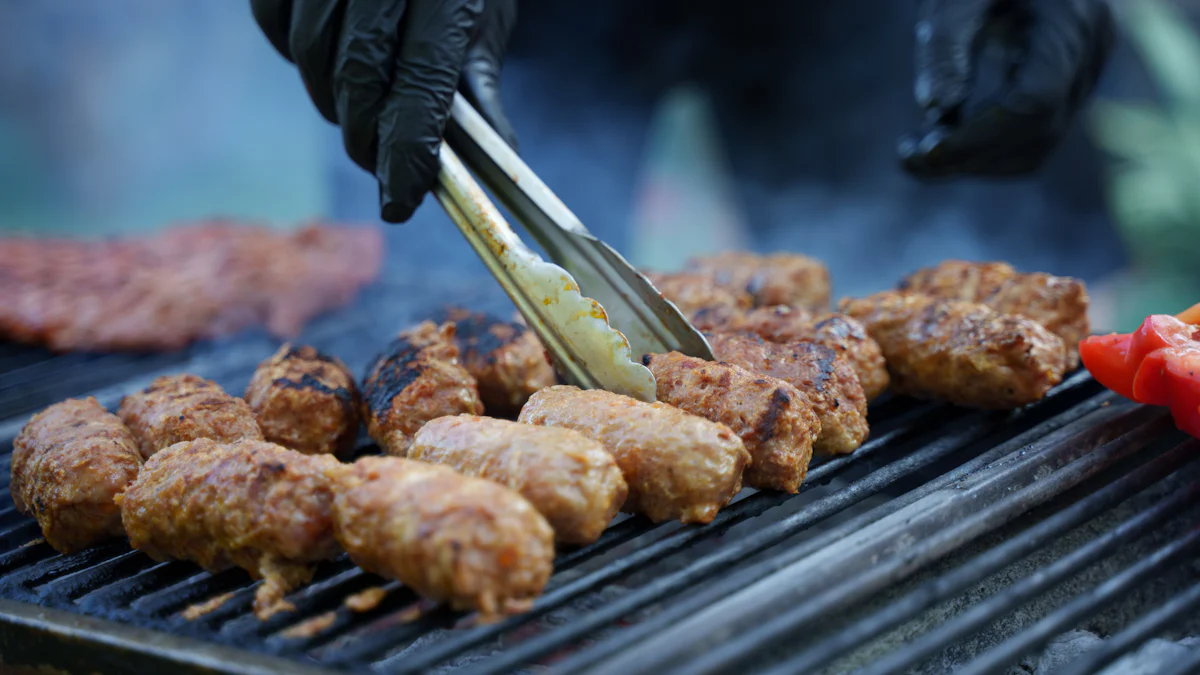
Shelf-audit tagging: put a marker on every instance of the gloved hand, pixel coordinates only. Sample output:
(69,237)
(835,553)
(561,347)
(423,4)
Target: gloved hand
(386,71)
(1048,55)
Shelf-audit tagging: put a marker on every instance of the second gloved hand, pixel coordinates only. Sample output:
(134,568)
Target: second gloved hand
(1045,58)
(386,71)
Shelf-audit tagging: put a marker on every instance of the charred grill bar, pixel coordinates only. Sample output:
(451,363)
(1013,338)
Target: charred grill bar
(937,502)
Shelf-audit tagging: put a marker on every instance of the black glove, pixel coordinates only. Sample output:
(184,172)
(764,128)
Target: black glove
(1044,56)
(386,72)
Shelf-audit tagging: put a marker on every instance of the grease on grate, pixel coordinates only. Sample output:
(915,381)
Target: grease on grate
(207,607)
(366,599)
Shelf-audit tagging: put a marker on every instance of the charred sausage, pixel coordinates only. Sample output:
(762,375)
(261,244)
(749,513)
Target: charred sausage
(823,377)
(787,279)
(693,291)
(450,537)
(305,401)
(1060,304)
(249,504)
(176,408)
(505,358)
(769,415)
(569,478)
(959,352)
(416,379)
(68,463)
(839,332)
(676,465)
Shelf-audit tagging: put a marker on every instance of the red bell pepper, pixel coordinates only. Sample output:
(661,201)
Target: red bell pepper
(1104,357)
(1183,372)
(1158,364)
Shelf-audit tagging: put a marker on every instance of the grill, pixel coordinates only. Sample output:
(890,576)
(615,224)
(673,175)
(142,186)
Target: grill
(952,540)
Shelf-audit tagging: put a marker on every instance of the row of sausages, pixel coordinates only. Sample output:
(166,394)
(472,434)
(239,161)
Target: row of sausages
(973,334)
(183,470)
(187,471)
(218,486)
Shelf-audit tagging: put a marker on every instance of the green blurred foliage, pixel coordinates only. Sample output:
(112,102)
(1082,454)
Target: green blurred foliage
(1154,176)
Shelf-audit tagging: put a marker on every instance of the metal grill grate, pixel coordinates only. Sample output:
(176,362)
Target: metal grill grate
(937,502)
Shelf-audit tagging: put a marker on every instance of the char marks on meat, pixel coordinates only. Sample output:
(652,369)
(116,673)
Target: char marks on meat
(506,359)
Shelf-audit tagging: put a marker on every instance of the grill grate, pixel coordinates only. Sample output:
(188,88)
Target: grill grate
(758,589)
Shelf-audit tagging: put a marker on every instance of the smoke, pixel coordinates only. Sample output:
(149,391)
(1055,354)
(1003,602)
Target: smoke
(138,113)
(810,99)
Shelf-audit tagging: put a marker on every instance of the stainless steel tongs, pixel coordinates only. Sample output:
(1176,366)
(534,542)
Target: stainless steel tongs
(577,330)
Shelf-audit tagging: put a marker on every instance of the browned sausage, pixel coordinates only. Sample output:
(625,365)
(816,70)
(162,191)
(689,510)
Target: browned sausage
(505,358)
(823,377)
(1060,304)
(416,379)
(693,291)
(68,463)
(176,408)
(305,401)
(249,504)
(769,415)
(569,478)
(959,352)
(469,541)
(778,279)
(676,465)
(839,332)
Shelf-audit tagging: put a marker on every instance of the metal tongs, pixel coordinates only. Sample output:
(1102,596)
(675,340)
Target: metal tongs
(577,330)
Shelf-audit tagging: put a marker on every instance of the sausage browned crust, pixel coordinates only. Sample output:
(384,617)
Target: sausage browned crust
(176,408)
(824,378)
(839,332)
(963,353)
(249,504)
(676,465)
(1060,304)
(416,379)
(777,279)
(68,463)
(451,537)
(693,291)
(569,478)
(305,401)
(769,415)
(505,358)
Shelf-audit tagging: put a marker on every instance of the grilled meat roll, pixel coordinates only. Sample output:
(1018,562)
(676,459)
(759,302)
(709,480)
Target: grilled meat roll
(68,463)
(505,358)
(778,279)
(1060,304)
(676,465)
(824,378)
(693,291)
(569,478)
(786,325)
(963,353)
(769,415)
(848,336)
(305,401)
(447,536)
(416,379)
(176,408)
(249,504)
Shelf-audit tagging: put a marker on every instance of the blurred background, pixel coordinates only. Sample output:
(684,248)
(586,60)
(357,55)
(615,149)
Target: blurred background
(671,128)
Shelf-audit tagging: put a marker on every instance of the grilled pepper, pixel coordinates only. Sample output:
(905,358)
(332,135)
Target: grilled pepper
(1158,364)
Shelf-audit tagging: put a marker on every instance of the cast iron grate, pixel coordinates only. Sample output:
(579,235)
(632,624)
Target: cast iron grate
(776,583)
